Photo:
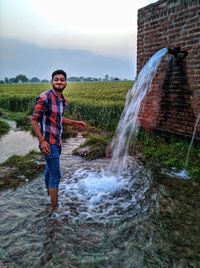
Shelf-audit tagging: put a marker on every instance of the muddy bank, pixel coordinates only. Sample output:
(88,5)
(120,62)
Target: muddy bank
(18,170)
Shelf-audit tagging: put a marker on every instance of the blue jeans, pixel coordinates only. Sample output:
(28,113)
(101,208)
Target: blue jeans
(52,171)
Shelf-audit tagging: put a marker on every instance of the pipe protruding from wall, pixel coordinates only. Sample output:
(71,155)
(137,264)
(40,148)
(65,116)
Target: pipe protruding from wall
(176,51)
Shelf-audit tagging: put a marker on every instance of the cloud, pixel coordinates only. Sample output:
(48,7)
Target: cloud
(103,27)
(100,35)
(21,57)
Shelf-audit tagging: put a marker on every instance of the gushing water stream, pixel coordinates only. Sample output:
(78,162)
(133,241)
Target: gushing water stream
(128,124)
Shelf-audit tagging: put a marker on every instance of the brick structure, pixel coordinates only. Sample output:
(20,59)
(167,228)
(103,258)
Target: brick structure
(172,105)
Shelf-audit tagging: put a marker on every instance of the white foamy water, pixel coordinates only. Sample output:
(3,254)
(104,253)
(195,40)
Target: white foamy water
(97,186)
(90,195)
(128,124)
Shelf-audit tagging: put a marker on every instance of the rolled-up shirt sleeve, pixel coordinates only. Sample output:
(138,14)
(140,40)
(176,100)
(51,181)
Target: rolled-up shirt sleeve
(40,107)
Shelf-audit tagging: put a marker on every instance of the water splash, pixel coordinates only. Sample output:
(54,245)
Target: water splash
(182,175)
(90,195)
(128,124)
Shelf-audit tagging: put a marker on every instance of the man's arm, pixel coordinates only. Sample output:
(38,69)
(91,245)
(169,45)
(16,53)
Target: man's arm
(79,124)
(37,131)
(44,146)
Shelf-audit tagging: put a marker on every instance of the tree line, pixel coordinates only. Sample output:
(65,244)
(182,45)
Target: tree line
(21,78)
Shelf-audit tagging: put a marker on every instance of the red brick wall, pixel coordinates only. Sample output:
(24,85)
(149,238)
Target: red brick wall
(173,103)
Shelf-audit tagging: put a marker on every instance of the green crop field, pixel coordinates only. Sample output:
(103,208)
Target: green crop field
(98,103)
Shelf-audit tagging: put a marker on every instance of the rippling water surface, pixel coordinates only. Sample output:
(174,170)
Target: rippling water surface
(137,220)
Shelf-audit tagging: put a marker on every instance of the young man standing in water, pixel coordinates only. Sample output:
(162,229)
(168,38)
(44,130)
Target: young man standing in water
(48,112)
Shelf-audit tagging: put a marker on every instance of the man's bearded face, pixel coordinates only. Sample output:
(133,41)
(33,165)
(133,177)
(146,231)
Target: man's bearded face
(59,83)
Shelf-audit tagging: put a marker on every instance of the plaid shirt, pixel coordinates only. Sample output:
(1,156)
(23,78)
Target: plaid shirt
(48,112)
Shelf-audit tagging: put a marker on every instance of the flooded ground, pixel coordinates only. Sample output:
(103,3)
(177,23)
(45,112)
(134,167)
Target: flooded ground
(16,142)
(139,220)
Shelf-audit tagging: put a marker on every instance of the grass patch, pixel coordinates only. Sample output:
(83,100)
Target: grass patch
(17,170)
(4,127)
(158,151)
(22,119)
(94,147)
(95,140)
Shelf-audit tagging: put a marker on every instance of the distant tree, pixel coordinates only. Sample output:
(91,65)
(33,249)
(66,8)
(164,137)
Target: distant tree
(6,80)
(11,80)
(35,80)
(73,79)
(45,81)
(22,78)
(1,82)
(88,79)
(116,79)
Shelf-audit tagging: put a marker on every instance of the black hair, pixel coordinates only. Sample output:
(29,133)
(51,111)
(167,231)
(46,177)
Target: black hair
(59,72)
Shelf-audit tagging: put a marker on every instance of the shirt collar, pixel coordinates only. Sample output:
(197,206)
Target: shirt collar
(56,95)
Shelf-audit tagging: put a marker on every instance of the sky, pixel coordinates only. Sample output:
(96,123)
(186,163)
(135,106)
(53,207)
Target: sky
(85,38)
